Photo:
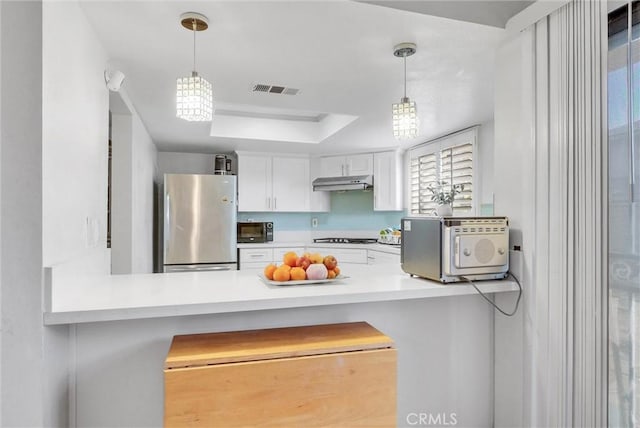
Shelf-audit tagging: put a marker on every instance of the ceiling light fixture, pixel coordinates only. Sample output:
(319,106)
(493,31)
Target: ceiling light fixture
(405,113)
(194,98)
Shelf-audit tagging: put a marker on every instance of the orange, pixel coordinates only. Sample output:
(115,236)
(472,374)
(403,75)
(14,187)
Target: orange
(298,274)
(331,274)
(336,270)
(285,267)
(290,258)
(268,271)
(281,274)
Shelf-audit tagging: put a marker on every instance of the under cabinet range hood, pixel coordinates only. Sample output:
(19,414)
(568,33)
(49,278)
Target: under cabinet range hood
(355,182)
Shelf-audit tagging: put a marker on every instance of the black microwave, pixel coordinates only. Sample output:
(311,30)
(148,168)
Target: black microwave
(255,231)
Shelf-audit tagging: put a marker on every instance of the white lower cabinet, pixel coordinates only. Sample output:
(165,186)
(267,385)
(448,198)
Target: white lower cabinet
(278,253)
(255,258)
(258,258)
(345,256)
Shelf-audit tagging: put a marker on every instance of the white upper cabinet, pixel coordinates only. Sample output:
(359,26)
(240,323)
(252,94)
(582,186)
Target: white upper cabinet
(387,184)
(359,164)
(273,183)
(338,166)
(254,183)
(291,188)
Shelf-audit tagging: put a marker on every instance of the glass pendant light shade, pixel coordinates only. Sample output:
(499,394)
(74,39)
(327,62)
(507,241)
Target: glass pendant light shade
(404,115)
(405,119)
(194,98)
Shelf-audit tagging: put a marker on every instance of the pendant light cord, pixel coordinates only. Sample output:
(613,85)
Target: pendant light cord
(404,56)
(195,26)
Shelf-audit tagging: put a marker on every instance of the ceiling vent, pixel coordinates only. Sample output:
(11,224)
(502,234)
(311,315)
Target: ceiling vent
(274,89)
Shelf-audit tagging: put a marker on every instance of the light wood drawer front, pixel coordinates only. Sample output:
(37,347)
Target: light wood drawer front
(341,389)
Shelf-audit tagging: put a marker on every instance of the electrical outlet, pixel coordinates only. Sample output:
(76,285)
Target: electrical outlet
(314,222)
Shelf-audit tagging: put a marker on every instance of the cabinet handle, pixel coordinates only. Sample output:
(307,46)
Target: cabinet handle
(268,202)
(275,203)
(342,169)
(255,256)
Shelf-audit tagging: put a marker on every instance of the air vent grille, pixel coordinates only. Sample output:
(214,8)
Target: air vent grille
(274,89)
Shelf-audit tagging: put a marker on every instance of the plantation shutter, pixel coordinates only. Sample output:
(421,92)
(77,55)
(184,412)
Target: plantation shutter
(456,167)
(424,172)
(449,159)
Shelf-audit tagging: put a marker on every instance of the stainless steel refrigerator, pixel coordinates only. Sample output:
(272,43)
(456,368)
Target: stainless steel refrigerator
(200,213)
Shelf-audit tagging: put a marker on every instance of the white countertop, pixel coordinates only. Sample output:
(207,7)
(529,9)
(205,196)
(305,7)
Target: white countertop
(92,298)
(392,249)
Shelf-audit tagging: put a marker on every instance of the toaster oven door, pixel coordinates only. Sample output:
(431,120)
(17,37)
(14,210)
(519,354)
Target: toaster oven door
(474,255)
(471,251)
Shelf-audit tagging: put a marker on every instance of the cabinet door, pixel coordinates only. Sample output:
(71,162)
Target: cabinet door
(359,164)
(343,255)
(332,166)
(254,183)
(278,253)
(291,187)
(342,389)
(387,176)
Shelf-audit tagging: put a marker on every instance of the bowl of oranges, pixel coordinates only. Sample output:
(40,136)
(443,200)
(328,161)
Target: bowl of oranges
(309,268)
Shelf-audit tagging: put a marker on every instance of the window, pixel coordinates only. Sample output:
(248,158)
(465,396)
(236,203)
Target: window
(448,159)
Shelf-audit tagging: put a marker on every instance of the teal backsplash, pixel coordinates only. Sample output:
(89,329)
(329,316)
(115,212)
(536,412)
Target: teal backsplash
(352,210)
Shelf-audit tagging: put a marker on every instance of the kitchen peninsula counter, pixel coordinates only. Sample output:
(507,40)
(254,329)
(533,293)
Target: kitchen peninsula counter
(95,298)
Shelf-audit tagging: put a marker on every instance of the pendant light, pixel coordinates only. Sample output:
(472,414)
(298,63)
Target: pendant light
(405,113)
(194,100)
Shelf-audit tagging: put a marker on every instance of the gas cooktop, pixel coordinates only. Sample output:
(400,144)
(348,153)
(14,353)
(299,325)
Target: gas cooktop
(345,240)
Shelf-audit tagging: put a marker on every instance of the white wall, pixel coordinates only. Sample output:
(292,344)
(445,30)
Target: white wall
(145,173)
(134,173)
(513,189)
(75,139)
(485,160)
(23,389)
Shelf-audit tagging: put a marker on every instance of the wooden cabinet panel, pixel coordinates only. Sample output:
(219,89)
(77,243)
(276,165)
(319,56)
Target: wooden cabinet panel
(323,375)
(340,390)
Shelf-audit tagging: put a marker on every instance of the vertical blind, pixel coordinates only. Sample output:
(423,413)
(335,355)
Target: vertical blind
(445,160)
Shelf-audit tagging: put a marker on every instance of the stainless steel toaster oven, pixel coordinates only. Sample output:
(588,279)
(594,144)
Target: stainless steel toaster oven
(450,249)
